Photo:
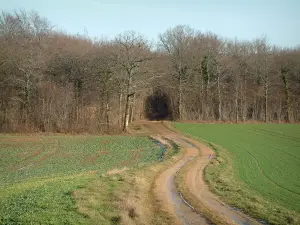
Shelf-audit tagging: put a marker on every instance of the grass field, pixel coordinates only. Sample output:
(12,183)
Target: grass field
(61,179)
(257,168)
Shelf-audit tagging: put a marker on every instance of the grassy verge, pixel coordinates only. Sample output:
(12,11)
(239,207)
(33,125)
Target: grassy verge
(221,179)
(226,179)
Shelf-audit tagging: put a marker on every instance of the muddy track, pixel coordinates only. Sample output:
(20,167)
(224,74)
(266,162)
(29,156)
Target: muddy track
(171,198)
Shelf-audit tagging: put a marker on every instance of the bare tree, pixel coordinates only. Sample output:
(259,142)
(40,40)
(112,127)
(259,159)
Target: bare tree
(176,42)
(52,81)
(26,32)
(131,52)
(263,57)
(287,62)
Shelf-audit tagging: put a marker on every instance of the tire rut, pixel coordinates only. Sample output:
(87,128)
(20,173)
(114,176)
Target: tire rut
(172,199)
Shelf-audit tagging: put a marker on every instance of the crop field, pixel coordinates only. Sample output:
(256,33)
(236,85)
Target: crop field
(38,174)
(265,157)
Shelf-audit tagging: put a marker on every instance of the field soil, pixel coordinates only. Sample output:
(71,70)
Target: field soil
(80,179)
(209,208)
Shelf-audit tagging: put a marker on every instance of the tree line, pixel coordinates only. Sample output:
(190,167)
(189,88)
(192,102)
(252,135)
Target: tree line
(56,82)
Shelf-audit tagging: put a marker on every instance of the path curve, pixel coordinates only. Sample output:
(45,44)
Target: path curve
(169,196)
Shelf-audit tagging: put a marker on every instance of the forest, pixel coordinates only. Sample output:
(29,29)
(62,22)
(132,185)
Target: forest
(52,81)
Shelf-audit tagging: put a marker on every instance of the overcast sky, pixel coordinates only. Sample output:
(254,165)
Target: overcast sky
(279,20)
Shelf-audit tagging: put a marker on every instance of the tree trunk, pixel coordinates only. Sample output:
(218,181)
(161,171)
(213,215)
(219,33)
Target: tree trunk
(127,105)
(120,110)
(207,97)
(132,108)
(219,98)
(126,116)
(107,111)
(279,111)
(180,99)
(200,116)
(266,100)
(244,107)
(27,98)
(287,97)
(236,107)
(43,113)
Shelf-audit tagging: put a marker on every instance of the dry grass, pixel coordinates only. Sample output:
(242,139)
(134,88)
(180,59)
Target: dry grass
(139,204)
(126,196)
(116,171)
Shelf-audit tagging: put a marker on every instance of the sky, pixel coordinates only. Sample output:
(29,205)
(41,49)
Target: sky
(279,20)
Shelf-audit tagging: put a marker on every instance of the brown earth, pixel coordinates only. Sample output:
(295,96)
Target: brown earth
(196,157)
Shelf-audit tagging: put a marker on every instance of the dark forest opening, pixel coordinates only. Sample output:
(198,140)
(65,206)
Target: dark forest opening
(157,106)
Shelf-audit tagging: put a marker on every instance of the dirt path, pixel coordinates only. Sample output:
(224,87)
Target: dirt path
(167,193)
(169,196)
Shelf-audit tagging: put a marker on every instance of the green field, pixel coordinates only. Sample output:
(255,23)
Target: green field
(258,166)
(39,174)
